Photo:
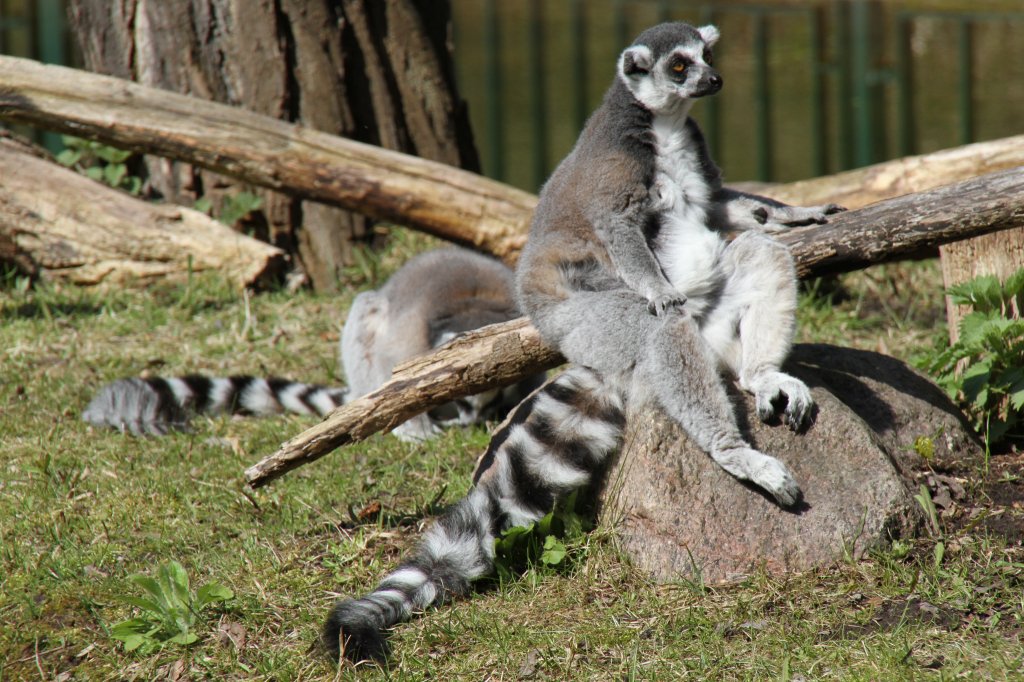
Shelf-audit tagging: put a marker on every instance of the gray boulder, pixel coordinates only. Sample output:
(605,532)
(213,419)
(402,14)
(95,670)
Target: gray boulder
(677,514)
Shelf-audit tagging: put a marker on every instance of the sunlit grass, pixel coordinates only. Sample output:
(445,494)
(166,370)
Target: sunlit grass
(81,510)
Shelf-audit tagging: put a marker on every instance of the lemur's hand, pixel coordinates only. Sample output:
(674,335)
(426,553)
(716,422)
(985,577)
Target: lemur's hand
(660,304)
(774,218)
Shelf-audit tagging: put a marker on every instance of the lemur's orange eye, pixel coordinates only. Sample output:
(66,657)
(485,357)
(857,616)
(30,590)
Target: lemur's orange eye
(679,67)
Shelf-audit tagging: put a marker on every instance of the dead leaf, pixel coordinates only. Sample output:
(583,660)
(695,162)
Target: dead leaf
(370,511)
(231,633)
(529,667)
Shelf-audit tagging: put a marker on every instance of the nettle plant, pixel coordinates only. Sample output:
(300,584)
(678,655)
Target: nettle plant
(984,369)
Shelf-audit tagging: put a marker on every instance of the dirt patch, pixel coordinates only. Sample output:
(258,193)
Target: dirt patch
(996,505)
(889,615)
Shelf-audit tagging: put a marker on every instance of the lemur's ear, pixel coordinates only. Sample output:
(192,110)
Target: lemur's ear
(636,61)
(709,34)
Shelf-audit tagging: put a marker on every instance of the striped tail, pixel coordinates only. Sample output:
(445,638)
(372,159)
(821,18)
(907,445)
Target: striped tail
(158,405)
(556,441)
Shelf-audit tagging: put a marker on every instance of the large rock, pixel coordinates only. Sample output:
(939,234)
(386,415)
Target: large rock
(677,514)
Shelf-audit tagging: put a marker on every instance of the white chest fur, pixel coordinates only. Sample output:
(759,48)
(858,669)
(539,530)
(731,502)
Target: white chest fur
(687,250)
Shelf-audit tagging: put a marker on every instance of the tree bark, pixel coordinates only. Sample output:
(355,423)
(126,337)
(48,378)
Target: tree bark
(60,225)
(502,354)
(442,200)
(378,72)
(461,207)
(999,254)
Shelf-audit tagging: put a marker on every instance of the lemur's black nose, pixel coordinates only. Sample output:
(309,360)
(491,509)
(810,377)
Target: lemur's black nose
(715,81)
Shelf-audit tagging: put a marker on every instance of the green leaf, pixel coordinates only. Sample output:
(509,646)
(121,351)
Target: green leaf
(114,174)
(146,605)
(185,638)
(203,205)
(976,384)
(554,551)
(131,641)
(155,590)
(112,155)
(94,173)
(211,592)
(1017,396)
(69,157)
(132,625)
(982,293)
(175,581)
(1014,285)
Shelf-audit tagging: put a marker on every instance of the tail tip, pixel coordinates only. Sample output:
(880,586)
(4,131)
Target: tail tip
(346,633)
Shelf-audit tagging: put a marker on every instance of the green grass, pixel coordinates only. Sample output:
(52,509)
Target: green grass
(83,510)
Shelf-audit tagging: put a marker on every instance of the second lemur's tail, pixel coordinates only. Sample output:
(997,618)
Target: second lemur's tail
(157,405)
(556,441)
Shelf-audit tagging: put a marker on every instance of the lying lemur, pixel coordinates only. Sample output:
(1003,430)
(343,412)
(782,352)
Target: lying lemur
(430,300)
(628,273)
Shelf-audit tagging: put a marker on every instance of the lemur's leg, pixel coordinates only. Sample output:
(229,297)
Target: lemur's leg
(369,351)
(555,442)
(745,211)
(667,359)
(752,326)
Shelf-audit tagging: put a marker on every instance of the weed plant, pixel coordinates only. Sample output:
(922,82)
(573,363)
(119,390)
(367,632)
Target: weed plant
(984,369)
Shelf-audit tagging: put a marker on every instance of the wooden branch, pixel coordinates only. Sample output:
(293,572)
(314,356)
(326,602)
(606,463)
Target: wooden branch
(862,186)
(60,225)
(500,354)
(894,229)
(451,203)
(497,355)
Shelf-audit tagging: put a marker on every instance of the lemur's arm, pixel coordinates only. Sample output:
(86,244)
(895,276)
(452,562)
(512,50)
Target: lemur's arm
(623,237)
(743,211)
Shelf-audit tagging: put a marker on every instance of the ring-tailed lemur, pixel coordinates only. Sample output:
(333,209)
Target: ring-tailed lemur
(627,269)
(631,223)
(558,440)
(427,302)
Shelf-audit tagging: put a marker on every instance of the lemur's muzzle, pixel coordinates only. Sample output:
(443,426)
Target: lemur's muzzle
(709,83)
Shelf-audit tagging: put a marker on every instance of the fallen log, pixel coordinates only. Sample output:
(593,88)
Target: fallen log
(59,225)
(889,179)
(450,203)
(445,201)
(500,354)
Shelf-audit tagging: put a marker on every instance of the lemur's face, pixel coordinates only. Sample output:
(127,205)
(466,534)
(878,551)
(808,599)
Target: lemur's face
(670,65)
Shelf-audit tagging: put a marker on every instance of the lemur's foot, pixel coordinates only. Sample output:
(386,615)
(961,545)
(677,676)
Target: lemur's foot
(417,430)
(766,472)
(773,389)
(781,217)
(774,477)
(663,303)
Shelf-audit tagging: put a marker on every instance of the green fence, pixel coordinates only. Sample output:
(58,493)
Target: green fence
(812,86)
(36,29)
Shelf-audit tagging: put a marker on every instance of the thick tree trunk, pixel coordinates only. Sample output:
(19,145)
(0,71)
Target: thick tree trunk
(60,225)
(379,72)
(502,354)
